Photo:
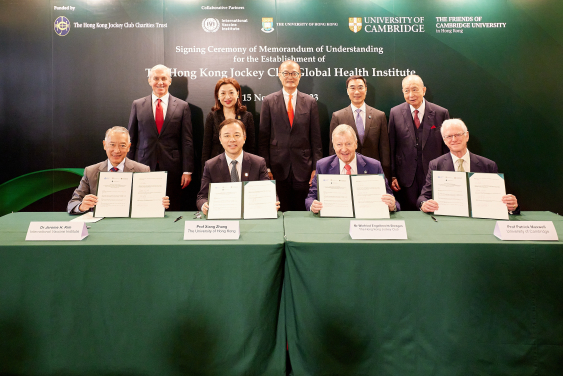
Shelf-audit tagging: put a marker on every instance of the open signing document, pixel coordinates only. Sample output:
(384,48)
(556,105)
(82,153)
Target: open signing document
(487,190)
(114,194)
(367,191)
(148,190)
(225,201)
(449,189)
(260,199)
(335,195)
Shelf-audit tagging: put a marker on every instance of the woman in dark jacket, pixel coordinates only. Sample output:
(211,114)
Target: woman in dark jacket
(228,105)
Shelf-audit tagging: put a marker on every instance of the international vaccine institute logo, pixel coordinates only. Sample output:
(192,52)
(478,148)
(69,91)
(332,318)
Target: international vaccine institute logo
(355,24)
(62,26)
(267,25)
(210,25)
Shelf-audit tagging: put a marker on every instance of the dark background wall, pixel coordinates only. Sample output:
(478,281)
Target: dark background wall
(59,94)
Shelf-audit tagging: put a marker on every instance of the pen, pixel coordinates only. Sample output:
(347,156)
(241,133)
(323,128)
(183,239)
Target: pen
(177,219)
(435,220)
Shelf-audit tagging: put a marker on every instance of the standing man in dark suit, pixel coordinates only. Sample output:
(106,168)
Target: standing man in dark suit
(161,134)
(290,138)
(233,165)
(459,158)
(415,140)
(369,123)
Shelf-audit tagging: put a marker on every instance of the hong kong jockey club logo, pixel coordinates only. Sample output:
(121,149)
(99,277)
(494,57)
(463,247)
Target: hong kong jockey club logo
(210,25)
(267,24)
(355,24)
(62,26)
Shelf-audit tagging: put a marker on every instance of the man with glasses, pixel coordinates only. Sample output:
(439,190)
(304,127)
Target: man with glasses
(455,134)
(415,140)
(290,138)
(369,124)
(116,144)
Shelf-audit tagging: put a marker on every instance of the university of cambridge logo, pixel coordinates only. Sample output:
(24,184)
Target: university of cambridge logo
(355,24)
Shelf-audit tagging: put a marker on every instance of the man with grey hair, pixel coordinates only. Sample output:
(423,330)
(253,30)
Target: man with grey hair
(415,140)
(116,144)
(161,134)
(347,162)
(455,134)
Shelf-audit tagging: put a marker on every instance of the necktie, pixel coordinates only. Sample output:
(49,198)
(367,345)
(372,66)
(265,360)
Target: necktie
(360,126)
(234,175)
(416,121)
(460,165)
(348,169)
(114,169)
(159,116)
(290,110)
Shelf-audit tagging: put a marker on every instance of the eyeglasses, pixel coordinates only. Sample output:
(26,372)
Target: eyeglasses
(458,135)
(120,146)
(236,136)
(414,91)
(359,88)
(292,74)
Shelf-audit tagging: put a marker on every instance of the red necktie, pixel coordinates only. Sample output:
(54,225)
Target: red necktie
(290,111)
(416,121)
(159,116)
(114,169)
(348,169)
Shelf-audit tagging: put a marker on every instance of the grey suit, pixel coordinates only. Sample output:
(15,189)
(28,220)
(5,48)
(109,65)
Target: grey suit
(89,182)
(376,136)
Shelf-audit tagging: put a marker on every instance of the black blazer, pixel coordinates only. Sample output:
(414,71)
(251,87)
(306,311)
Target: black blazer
(284,146)
(403,141)
(216,171)
(211,145)
(173,147)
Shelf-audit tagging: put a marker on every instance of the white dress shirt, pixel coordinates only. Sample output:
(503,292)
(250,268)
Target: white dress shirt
(293,99)
(362,114)
(353,166)
(465,158)
(421,110)
(239,164)
(163,103)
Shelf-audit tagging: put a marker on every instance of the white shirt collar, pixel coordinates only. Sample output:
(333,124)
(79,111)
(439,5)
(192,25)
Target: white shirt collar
(420,109)
(362,108)
(120,166)
(238,159)
(164,98)
(286,94)
(353,165)
(465,158)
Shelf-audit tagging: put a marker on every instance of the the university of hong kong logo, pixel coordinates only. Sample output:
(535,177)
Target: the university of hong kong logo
(267,25)
(355,24)
(62,26)
(210,25)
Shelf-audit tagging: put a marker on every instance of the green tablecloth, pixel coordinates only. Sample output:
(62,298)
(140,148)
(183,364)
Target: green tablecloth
(134,298)
(450,300)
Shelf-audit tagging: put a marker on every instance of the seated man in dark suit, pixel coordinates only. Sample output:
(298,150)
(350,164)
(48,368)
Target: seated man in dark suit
(116,145)
(455,136)
(233,165)
(347,162)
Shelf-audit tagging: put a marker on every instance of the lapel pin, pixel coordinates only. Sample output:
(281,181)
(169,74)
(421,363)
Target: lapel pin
(365,172)
(246,174)
(369,117)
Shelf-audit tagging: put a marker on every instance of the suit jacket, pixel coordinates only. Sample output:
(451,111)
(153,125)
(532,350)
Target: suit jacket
(216,171)
(284,146)
(376,136)
(212,146)
(403,141)
(89,182)
(446,163)
(173,147)
(331,165)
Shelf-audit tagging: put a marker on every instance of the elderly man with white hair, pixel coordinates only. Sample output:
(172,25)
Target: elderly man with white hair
(161,134)
(456,135)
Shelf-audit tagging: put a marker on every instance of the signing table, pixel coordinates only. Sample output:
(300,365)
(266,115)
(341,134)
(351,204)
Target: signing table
(450,300)
(134,298)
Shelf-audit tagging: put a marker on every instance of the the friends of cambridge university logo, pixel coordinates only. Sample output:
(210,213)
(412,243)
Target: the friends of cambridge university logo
(210,25)
(62,26)
(267,25)
(355,24)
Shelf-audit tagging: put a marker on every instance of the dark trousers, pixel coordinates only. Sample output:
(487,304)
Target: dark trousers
(173,189)
(292,193)
(407,196)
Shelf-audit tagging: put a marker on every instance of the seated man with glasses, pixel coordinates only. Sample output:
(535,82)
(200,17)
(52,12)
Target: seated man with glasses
(233,165)
(455,135)
(369,123)
(116,144)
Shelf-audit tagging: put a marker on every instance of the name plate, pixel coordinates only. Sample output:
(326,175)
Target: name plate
(383,230)
(56,231)
(211,230)
(525,230)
